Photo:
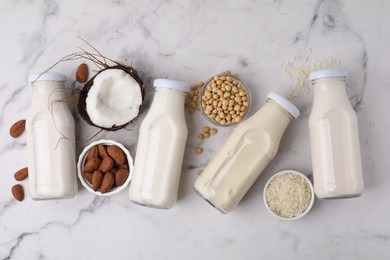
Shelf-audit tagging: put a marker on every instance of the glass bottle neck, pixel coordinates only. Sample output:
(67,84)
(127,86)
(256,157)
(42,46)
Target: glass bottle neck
(47,87)
(284,111)
(47,93)
(171,91)
(270,117)
(165,98)
(330,89)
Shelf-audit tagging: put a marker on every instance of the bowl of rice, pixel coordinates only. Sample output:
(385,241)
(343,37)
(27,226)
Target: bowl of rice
(288,195)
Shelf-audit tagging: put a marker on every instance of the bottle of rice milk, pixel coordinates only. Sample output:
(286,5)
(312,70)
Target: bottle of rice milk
(160,149)
(334,138)
(50,140)
(245,154)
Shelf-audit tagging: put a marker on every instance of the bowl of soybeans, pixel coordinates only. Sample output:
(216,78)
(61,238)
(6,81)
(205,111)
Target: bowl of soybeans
(225,100)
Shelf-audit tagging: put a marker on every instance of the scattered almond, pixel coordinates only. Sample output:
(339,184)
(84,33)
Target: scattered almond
(18,192)
(82,73)
(108,182)
(97,179)
(92,165)
(116,154)
(17,128)
(121,177)
(21,174)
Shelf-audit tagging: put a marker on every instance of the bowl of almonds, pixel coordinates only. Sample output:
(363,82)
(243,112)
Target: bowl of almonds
(225,100)
(105,167)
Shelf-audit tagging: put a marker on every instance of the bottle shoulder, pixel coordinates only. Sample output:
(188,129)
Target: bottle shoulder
(60,115)
(333,115)
(163,121)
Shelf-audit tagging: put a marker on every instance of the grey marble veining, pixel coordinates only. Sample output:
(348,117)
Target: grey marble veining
(192,41)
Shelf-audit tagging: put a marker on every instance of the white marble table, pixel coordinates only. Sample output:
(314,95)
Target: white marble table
(191,41)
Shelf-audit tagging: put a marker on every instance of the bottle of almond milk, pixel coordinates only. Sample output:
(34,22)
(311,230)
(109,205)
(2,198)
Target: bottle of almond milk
(334,138)
(245,154)
(50,140)
(160,149)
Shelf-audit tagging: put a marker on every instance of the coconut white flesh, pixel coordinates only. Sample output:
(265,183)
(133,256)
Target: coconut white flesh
(114,98)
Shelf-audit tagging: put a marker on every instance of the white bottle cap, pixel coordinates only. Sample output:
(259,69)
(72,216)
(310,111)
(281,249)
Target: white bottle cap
(290,107)
(172,84)
(48,76)
(327,74)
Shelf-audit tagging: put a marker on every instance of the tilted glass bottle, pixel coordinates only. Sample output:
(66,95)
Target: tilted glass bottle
(245,154)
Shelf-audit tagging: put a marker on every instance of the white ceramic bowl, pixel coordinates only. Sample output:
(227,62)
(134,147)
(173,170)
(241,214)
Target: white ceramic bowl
(311,192)
(81,162)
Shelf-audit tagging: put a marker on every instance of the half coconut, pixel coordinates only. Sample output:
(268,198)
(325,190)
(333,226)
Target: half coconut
(112,98)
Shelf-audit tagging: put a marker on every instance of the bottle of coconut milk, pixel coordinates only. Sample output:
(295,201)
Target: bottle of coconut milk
(50,140)
(334,138)
(160,149)
(245,154)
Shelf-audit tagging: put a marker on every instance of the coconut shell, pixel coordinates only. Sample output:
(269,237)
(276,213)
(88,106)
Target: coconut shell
(82,106)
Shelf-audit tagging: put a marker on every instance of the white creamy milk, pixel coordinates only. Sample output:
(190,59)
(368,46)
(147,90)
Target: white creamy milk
(334,138)
(245,154)
(160,149)
(50,140)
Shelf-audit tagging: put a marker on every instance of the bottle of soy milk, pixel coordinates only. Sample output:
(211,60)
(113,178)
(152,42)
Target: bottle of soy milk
(334,138)
(245,154)
(160,149)
(50,140)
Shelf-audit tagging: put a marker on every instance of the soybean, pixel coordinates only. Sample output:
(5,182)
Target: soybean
(199,150)
(213,131)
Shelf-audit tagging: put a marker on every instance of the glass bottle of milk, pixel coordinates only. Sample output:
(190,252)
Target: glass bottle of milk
(160,149)
(334,138)
(245,154)
(50,140)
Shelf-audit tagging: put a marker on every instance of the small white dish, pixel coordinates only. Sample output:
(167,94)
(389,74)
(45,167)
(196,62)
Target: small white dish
(81,163)
(304,213)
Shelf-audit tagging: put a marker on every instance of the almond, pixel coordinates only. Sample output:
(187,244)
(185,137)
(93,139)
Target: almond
(17,128)
(21,174)
(18,192)
(93,153)
(97,179)
(88,176)
(117,154)
(102,151)
(121,177)
(108,182)
(82,73)
(106,164)
(92,165)
(114,170)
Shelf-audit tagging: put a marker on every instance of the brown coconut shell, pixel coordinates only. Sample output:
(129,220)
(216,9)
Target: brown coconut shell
(82,105)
